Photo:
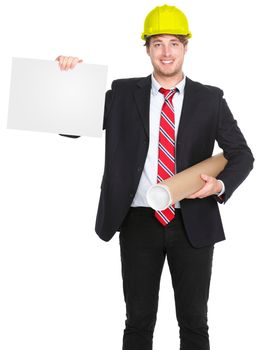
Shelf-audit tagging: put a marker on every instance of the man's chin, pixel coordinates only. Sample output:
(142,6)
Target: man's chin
(168,73)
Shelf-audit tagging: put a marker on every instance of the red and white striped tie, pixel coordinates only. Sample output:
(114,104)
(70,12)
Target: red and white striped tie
(166,153)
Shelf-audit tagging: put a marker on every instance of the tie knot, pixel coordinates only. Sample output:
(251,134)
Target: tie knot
(167,93)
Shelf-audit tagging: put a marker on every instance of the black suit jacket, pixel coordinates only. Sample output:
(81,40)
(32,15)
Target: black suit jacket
(205,119)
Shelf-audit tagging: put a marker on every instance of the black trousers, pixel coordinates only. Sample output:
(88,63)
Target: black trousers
(144,244)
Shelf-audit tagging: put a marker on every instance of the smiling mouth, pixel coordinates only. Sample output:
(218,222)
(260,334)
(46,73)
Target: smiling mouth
(166,61)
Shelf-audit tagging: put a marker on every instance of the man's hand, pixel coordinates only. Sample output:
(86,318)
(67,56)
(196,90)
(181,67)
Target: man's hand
(211,187)
(67,62)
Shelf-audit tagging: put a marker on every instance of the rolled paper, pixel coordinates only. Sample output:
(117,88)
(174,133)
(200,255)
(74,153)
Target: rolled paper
(184,183)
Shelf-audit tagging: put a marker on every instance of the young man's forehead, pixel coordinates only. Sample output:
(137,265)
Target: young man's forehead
(161,37)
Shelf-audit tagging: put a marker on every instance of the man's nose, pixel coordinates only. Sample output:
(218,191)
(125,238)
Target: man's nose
(166,51)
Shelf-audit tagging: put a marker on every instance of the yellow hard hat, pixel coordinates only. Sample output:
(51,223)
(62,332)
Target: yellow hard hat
(166,20)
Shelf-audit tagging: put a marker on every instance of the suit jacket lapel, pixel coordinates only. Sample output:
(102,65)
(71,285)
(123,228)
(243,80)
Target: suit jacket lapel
(142,98)
(188,109)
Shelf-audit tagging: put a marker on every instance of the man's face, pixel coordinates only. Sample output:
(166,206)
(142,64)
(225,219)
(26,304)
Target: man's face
(167,55)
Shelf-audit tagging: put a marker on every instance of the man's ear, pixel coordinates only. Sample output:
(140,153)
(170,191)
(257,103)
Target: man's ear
(186,48)
(147,50)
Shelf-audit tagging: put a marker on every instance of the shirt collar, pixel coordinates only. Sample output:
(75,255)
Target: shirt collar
(156,86)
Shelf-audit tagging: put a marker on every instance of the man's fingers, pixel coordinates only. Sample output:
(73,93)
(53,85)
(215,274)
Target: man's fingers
(210,187)
(60,60)
(206,191)
(75,61)
(68,62)
(64,63)
(196,195)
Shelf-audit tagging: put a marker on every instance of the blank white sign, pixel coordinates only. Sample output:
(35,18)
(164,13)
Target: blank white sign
(44,98)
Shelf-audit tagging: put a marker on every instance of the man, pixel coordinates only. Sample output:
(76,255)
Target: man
(156,126)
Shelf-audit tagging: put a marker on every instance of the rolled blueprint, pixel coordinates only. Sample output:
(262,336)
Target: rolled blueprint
(185,183)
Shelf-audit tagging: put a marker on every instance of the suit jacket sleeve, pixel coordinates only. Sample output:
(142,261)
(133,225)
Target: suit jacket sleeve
(108,102)
(236,151)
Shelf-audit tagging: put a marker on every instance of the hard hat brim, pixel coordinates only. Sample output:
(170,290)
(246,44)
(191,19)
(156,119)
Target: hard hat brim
(145,36)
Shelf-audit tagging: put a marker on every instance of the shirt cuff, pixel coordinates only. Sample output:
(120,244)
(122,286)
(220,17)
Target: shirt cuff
(223,188)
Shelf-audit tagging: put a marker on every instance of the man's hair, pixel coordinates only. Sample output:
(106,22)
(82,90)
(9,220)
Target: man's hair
(182,38)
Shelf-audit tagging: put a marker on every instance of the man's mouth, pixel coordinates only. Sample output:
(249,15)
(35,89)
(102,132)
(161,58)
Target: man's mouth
(167,61)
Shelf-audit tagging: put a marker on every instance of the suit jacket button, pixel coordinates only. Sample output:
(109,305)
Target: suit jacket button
(139,168)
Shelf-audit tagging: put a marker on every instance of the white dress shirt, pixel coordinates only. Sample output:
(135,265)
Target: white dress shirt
(149,174)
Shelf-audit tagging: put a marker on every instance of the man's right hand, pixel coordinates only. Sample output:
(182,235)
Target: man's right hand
(67,62)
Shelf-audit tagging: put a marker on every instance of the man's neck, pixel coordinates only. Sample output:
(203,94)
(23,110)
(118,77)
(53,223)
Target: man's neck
(169,82)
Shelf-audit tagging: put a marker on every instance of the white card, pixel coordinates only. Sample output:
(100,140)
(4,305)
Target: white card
(44,98)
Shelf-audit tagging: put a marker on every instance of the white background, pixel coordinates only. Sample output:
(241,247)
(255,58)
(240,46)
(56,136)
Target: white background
(60,285)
